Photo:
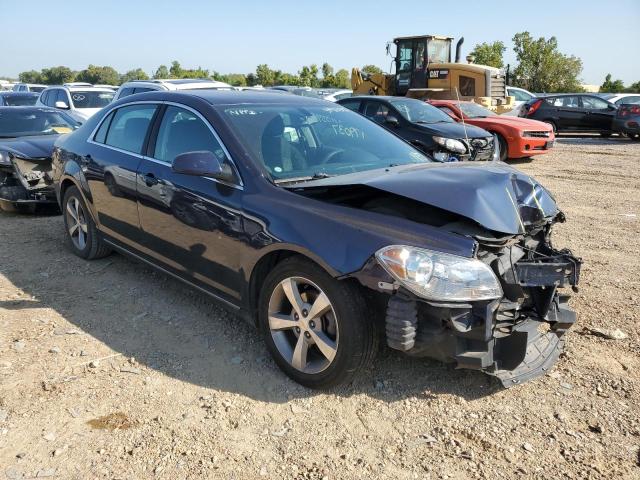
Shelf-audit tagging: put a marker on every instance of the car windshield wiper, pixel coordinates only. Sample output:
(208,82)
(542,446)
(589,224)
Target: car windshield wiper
(315,176)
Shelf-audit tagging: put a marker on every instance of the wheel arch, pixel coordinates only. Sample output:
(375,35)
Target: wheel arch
(267,262)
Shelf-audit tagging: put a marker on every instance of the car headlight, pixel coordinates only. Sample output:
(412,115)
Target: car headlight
(4,158)
(451,144)
(439,276)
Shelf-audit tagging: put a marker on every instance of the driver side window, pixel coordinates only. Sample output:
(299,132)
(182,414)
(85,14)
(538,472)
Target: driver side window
(376,112)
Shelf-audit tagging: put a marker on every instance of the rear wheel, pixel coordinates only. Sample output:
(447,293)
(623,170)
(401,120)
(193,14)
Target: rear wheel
(81,232)
(315,327)
(504,148)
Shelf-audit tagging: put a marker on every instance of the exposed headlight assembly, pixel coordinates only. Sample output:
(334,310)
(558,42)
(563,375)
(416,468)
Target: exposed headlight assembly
(4,158)
(439,276)
(451,144)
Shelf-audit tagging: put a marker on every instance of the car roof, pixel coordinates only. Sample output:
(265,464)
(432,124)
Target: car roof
(10,93)
(227,97)
(29,108)
(80,88)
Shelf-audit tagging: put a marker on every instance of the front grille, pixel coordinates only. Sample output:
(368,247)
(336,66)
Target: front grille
(535,133)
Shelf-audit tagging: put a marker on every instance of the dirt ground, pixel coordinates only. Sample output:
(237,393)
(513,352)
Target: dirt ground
(111,370)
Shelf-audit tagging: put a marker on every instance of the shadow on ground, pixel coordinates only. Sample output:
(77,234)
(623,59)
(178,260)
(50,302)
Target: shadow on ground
(179,332)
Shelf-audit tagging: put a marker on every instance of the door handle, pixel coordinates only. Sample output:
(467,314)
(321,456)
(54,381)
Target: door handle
(150,180)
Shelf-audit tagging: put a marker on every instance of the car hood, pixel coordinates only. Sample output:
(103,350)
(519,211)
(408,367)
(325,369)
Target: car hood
(452,130)
(29,147)
(510,121)
(495,195)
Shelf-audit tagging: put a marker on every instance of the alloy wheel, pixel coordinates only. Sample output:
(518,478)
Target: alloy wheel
(76,223)
(303,325)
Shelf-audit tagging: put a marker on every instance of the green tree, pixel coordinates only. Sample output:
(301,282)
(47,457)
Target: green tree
(57,75)
(371,69)
(176,70)
(95,74)
(342,79)
(32,76)
(287,79)
(489,54)
(161,72)
(633,88)
(235,79)
(542,68)
(608,86)
(328,77)
(136,74)
(264,75)
(309,76)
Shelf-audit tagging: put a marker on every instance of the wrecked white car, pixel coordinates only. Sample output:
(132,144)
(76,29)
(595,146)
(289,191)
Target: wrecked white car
(27,135)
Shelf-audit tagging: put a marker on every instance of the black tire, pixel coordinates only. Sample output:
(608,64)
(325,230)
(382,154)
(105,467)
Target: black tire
(358,332)
(635,137)
(94,246)
(504,148)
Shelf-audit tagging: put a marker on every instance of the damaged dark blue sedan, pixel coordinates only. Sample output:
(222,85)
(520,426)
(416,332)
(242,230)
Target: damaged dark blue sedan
(325,230)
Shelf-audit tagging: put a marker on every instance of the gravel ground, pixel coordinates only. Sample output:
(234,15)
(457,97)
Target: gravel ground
(111,370)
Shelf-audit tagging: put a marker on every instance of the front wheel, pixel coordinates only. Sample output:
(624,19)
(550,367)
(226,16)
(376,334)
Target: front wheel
(552,125)
(504,148)
(316,328)
(81,232)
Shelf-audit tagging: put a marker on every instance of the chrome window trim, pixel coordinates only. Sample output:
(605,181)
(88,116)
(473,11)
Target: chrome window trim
(90,138)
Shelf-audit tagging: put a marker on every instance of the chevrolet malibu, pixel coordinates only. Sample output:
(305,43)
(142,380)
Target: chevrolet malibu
(323,229)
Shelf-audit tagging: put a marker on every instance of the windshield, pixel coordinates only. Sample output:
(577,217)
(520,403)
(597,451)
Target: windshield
(417,111)
(28,122)
(91,99)
(473,110)
(20,100)
(303,142)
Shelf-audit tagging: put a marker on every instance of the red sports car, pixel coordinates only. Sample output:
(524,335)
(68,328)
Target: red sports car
(518,137)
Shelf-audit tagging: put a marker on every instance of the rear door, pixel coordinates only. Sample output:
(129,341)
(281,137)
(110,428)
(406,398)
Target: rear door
(193,225)
(570,114)
(115,151)
(598,114)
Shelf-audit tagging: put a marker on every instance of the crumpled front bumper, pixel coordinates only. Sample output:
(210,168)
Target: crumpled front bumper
(513,341)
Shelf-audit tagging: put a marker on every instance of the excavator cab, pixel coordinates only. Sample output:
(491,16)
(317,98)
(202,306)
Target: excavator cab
(413,57)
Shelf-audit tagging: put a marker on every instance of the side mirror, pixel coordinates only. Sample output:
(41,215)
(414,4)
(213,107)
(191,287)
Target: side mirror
(62,105)
(202,164)
(392,120)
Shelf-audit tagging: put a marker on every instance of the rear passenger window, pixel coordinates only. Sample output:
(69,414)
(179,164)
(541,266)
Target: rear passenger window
(376,112)
(352,105)
(101,134)
(129,127)
(183,131)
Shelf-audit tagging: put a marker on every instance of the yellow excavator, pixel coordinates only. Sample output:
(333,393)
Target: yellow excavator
(424,70)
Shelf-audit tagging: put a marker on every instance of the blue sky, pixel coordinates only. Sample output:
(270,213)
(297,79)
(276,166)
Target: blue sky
(234,36)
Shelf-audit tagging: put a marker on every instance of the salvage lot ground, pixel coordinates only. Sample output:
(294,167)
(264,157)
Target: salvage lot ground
(110,370)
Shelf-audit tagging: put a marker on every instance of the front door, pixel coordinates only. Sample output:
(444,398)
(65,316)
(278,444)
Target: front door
(111,163)
(404,66)
(569,113)
(598,114)
(191,224)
